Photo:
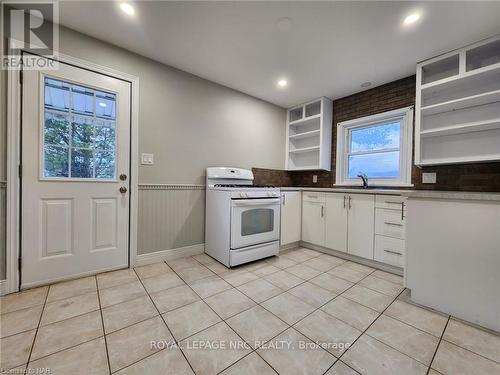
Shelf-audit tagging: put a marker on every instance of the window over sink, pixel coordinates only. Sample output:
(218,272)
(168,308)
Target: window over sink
(379,146)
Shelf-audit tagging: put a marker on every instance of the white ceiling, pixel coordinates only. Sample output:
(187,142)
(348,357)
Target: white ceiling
(328,48)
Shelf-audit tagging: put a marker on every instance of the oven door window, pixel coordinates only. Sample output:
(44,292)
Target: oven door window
(256,221)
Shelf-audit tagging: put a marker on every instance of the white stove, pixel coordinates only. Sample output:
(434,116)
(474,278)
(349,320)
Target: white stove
(242,219)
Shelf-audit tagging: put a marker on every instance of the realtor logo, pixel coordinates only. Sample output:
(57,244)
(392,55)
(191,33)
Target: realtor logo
(30,30)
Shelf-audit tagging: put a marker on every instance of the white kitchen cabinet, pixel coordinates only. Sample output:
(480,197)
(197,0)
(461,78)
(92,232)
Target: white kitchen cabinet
(291,208)
(361,225)
(336,221)
(313,218)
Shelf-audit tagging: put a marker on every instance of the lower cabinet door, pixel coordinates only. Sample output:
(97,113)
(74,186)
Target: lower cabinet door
(361,225)
(336,221)
(290,217)
(313,223)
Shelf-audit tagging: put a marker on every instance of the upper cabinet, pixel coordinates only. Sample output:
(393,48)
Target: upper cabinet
(457,117)
(309,136)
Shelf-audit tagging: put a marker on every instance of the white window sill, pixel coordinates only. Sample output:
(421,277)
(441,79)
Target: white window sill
(375,185)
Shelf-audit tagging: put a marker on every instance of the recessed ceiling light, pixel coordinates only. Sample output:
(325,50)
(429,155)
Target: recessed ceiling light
(366,84)
(412,18)
(127,8)
(102,104)
(282,83)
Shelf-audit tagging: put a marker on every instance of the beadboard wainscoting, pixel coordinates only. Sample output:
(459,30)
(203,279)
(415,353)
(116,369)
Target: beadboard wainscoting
(171,221)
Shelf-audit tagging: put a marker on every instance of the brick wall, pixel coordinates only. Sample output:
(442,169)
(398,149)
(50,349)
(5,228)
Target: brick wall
(394,95)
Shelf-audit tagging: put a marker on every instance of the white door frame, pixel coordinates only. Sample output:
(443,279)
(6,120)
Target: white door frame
(14,159)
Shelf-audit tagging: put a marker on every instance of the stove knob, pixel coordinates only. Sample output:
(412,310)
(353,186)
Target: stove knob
(242,195)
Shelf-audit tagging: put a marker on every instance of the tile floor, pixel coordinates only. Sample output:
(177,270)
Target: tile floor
(303,312)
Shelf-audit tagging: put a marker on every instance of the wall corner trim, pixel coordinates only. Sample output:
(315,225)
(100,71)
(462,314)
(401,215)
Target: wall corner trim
(170,254)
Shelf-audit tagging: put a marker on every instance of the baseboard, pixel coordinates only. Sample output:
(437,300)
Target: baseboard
(289,246)
(367,262)
(3,287)
(162,255)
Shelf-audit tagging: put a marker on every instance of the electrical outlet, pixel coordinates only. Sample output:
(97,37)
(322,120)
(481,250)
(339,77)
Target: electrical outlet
(147,159)
(429,178)
(315,179)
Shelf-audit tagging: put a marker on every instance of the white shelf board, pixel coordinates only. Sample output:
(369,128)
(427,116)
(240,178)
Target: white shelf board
(306,120)
(460,160)
(462,128)
(306,134)
(469,101)
(306,168)
(305,149)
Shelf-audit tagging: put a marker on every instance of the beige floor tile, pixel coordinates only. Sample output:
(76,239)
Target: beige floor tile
(217,267)
(170,299)
(312,294)
(404,338)
(297,256)
(252,364)
(87,358)
(284,280)
(209,359)
(71,288)
(15,350)
(239,278)
(288,307)
(359,267)
(190,319)
(127,313)
(351,312)
(166,362)
(334,335)
(281,262)
(210,286)
(453,360)
(370,298)
(229,303)
(121,293)
(304,272)
(266,270)
(134,343)
(180,263)
(396,279)
(162,282)
(340,368)
(151,270)
(203,258)
(22,300)
(260,290)
(333,260)
(114,278)
(252,266)
(369,356)
(190,275)
(20,321)
(67,333)
(256,325)
(347,273)
(331,283)
(381,285)
(474,339)
(319,264)
(426,320)
(69,307)
(299,358)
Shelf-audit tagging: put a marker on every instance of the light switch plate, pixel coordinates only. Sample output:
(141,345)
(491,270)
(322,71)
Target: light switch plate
(429,178)
(147,159)
(315,179)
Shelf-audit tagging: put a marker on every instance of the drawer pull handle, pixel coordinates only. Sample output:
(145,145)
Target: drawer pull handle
(393,252)
(395,224)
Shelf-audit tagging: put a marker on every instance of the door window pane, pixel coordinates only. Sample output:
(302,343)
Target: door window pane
(376,137)
(257,220)
(81,120)
(378,165)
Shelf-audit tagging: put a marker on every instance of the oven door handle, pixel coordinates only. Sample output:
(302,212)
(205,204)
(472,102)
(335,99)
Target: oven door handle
(256,202)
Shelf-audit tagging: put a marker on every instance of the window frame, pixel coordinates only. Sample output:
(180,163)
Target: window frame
(344,130)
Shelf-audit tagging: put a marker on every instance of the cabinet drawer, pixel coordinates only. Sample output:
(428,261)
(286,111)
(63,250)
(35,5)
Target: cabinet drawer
(394,202)
(390,250)
(389,223)
(311,196)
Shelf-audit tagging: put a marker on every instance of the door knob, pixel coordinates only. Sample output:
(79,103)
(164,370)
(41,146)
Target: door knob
(123,177)
(123,190)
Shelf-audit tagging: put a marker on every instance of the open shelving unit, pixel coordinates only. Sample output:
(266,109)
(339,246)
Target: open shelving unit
(308,133)
(457,117)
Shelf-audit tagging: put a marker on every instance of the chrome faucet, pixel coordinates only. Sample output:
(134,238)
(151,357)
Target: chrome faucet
(364,177)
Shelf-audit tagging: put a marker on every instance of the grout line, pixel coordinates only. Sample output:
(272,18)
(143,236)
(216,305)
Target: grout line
(38,327)
(103,328)
(437,346)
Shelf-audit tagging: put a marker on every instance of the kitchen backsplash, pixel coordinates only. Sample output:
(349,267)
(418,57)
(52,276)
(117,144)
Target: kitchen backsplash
(393,95)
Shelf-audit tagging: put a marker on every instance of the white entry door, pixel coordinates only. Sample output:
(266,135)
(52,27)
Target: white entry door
(75,176)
